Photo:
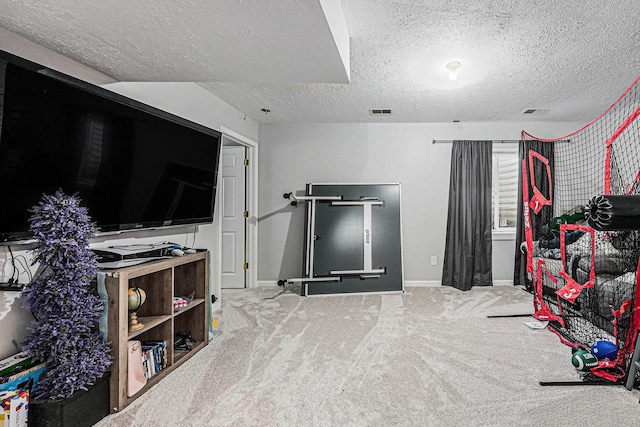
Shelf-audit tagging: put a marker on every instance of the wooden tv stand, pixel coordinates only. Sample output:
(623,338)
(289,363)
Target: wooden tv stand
(161,280)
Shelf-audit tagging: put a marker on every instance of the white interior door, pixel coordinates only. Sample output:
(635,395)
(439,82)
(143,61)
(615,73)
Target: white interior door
(233,219)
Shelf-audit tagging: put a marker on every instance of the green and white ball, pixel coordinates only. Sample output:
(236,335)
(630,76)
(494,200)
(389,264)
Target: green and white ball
(584,361)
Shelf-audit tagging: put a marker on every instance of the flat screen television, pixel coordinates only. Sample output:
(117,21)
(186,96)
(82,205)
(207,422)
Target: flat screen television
(132,166)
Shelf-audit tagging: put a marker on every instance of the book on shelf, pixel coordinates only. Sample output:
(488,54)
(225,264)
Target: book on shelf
(151,352)
(161,347)
(154,357)
(146,365)
(151,363)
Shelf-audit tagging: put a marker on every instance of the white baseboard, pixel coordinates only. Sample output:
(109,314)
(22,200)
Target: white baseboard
(434,283)
(267,283)
(407,283)
(508,282)
(422,283)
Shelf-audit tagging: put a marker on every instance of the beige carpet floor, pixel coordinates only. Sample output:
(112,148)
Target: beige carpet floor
(425,357)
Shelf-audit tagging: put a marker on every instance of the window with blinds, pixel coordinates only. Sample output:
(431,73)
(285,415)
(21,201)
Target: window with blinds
(504,188)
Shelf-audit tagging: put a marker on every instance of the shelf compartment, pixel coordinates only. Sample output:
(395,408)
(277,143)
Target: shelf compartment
(194,321)
(157,287)
(180,356)
(160,333)
(188,279)
(149,322)
(189,306)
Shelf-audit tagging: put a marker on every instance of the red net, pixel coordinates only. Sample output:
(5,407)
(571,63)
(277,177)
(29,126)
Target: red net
(585,276)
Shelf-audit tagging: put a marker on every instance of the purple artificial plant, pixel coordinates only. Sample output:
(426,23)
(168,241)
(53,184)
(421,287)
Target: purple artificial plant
(65,333)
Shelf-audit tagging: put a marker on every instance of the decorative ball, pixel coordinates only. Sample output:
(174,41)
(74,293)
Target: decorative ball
(136,297)
(604,350)
(584,361)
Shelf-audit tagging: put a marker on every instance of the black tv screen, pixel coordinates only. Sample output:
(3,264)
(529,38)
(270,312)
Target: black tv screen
(131,165)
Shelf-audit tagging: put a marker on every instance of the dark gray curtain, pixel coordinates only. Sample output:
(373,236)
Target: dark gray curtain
(544,216)
(520,264)
(467,255)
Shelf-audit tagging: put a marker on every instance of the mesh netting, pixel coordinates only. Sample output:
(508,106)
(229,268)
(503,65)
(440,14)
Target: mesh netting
(585,273)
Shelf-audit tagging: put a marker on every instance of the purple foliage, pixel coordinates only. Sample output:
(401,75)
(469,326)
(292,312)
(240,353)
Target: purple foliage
(65,333)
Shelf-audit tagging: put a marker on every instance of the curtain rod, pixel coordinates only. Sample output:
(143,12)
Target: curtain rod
(449,141)
(515,141)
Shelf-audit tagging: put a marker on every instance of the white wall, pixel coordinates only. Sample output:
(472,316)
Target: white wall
(187,100)
(292,155)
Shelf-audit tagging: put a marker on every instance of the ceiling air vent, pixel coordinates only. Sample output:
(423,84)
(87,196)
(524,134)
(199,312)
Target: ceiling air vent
(380,111)
(529,111)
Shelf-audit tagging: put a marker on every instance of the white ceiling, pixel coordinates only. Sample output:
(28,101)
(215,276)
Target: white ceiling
(335,60)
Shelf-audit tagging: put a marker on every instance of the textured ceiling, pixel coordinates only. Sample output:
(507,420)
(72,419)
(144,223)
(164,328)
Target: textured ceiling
(567,59)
